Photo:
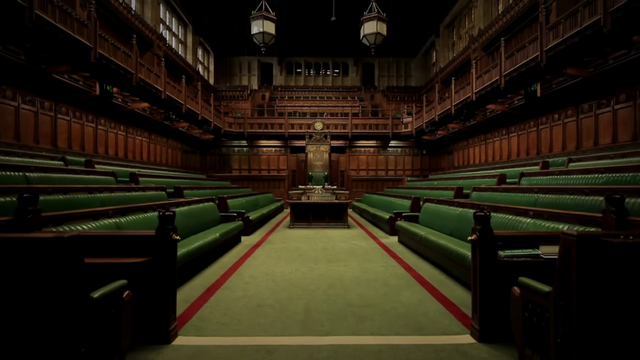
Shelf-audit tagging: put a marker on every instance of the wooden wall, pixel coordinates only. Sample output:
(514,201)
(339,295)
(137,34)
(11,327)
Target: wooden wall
(30,121)
(609,121)
(386,162)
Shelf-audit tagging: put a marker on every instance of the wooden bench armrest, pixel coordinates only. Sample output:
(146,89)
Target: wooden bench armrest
(399,213)
(229,217)
(279,199)
(411,217)
(357,200)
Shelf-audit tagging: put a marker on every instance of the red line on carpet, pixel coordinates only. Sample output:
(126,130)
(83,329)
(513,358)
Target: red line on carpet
(198,303)
(449,305)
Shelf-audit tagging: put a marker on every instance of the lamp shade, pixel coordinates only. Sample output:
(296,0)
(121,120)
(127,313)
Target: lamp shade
(263,26)
(373,27)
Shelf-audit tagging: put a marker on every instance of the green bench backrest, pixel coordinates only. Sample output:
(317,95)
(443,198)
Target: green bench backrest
(123,173)
(583,180)
(75,161)
(12,178)
(190,220)
(170,183)
(215,193)
(442,194)
(65,179)
(582,203)
(386,204)
(606,162)
(56,203)
(466,184)
(557,163)
(512,173)
(251,203)
(457,222)
(633,205)
(27,161)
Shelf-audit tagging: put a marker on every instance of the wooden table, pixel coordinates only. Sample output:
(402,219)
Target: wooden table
(319,214)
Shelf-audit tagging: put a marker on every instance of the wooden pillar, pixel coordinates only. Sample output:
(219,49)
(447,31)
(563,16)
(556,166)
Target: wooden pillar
(424,112)
(136,59)
(542,33)
(453,91)
(163,72)
(93,38)
(391,124)
(606,15)
(474,69)
(199,100)
(350,123)
(437,100)
(184,94)
(502,63)
(30,13)
(413,119)
(286,124)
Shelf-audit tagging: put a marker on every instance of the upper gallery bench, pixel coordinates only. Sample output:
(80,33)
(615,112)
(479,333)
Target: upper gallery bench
(619,158)
(123,170)
(448,192)
(384,210)
(622,175)
(68,198)
(512,172)
(192,191)
(254,209)
(589,199)
(466,182)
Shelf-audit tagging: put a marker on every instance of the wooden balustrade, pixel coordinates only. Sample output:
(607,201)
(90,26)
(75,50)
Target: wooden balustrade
(578,17)
(65,17)
(462,89)
(488,68)
(115,50)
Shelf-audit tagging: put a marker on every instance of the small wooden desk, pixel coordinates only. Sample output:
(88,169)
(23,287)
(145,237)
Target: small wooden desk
(319,214)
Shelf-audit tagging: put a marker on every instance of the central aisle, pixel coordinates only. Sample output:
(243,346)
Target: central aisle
(321,282)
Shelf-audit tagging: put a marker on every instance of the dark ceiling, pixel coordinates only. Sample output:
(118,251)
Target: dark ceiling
(305,28)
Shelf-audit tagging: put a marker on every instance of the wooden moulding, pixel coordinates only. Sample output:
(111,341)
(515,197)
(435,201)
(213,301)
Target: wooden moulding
(92,163)
(28,217)
(458,192)
(77,189)
(178,190)
(607,156)
(616,169)
(501,179)
(541,164)
(34,155)
(55,170)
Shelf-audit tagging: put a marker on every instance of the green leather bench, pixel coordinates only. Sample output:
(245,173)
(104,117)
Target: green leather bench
(124,173)
(74,161)
(384,210)
(21,178)
(511,174)
(623,175)
(579,199)
(180,191)
(254,209)
(608,162)
(171,181)
(465,182)
(72,202)
(448,192)
(441,234)
(28,161)
(199,227)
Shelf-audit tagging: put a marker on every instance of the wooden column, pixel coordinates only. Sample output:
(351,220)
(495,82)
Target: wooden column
(286,124)
(424,112)
(350,123)
(606,15)
(453,91)
(30,13)
(163,72)
(200,101)
(136,59)
(184,94)
(474,69)
(391,124)
(437,100)
(542,38)
(93,38)
(501,63)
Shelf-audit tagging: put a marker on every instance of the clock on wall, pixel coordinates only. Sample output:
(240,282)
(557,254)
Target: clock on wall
(318,125)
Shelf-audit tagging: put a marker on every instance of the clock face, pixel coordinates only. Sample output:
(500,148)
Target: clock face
(318,125)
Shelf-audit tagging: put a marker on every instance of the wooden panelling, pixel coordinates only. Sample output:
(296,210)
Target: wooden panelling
(358,185)
(28,120)
(384,162)
(608,121)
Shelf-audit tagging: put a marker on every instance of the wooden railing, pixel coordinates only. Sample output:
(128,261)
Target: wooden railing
(64,17)
(488,68)
(115,51)
(462,87)
(573,20)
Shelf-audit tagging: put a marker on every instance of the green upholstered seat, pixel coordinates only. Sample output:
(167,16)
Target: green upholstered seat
(606,162)
(66,179)
(379,210)
(28,161)
(443,232)
(629,179)
(514,199)
(443,194)
(318,178)
(258,209)
(75,161)
(215,193)
(13,178)
(170,183)
(465,184)
(198,226)
(580,203)
(123,172)
(556,163)
(511,174)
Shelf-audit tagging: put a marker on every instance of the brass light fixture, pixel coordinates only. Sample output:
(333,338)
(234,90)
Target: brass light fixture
(373,27)
(263,25)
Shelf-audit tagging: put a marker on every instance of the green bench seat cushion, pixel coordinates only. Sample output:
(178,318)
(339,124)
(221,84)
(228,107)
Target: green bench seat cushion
(190,248)
(513,199)
(67,179)
(27,161)
(466,184)
(581,203)
(630,179)
(513,173)
(385,204)
(12,178)
(606,162)
(75,161)
(123,173)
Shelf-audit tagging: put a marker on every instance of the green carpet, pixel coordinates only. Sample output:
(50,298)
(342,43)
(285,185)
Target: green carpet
(325,282)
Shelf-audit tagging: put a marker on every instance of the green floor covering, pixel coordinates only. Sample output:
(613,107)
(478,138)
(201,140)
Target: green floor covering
(329,282)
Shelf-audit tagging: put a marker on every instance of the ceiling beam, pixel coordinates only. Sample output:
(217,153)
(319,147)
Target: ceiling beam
(578,72)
